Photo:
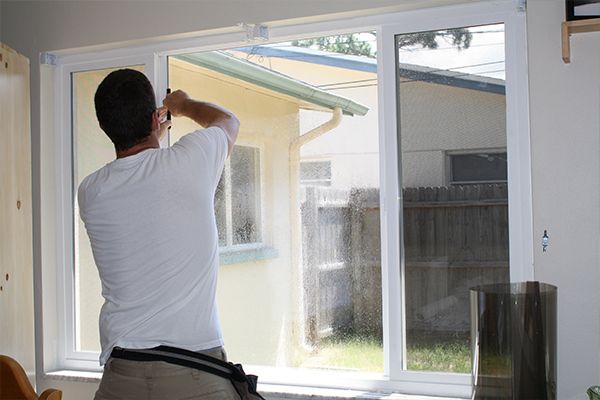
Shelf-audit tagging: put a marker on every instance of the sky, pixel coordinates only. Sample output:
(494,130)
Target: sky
(485,55)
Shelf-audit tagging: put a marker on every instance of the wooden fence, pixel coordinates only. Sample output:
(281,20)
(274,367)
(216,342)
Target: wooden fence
(454,238)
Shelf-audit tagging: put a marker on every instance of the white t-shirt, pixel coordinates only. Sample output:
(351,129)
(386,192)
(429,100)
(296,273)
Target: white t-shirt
(151,222)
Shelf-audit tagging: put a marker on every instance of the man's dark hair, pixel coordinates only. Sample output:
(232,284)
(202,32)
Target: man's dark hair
(124,105)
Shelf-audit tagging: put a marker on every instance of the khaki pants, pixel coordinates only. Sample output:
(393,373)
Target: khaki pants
(158,380)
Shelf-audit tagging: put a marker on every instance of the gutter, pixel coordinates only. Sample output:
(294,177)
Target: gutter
(272,80)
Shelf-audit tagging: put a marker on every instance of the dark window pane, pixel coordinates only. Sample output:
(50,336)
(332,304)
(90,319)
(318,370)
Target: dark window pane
(480,167)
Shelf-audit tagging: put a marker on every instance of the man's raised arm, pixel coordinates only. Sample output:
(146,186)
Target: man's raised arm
(203,113)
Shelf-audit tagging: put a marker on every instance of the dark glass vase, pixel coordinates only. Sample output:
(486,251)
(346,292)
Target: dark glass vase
(513,340)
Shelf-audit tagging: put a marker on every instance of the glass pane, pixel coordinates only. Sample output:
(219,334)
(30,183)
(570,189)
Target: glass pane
(245,190)
(91,150)
(479,167)
(451,96)
(314,272)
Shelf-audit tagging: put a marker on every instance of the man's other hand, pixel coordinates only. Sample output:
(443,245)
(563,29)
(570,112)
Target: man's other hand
(176,102)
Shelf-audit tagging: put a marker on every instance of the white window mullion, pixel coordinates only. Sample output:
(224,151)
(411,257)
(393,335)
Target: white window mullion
(520,201)
(390,215)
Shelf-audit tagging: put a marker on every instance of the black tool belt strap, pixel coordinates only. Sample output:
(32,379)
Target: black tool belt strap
(245,385)
(182,357)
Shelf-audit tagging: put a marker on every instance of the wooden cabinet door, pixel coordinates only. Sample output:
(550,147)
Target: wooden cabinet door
(16,259)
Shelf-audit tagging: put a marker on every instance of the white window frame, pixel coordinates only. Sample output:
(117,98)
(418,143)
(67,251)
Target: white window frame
(154,57)
(66,196)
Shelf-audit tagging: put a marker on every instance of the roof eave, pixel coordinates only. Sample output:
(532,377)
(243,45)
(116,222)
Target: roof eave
(254,74)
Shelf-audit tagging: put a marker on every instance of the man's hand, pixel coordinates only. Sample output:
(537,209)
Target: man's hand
(204,114)
(176,102)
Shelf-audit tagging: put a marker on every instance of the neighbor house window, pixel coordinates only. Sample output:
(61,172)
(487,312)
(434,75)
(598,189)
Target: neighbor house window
(237,199)
(478,167)
(315,173)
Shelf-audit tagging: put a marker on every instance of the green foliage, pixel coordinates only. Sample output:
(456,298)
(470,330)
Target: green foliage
(355,45)
(344,44)
(459,37)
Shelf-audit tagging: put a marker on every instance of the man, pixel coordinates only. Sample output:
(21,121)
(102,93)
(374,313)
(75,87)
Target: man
(150,218)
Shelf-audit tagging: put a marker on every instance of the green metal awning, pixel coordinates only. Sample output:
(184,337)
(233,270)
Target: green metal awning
(248,72)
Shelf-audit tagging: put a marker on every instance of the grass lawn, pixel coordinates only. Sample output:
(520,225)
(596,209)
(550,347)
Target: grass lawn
(359,354)
(449,355)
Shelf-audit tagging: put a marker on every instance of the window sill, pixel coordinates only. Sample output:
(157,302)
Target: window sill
(270,392)
(229,256)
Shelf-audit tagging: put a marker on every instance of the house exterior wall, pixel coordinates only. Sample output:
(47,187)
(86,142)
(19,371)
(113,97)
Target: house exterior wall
(463,120)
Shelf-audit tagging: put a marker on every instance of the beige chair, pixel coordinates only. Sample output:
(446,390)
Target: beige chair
(14,384)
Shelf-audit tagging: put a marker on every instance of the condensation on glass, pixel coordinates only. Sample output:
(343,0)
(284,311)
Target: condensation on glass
(452,131)
(91,150)
(298,228)
(237,198)
(316,173)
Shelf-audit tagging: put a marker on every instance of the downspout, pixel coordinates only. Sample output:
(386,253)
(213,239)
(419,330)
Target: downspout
(295,215)
(314,133)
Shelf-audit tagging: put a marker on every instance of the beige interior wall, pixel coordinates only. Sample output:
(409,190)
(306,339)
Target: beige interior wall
(565,143)
(16,264)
